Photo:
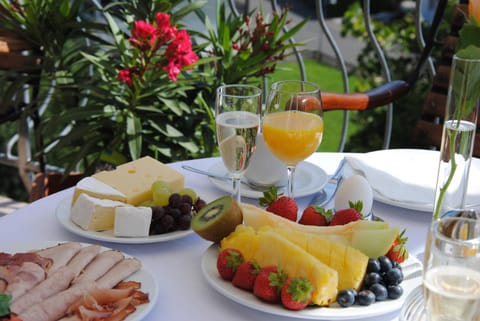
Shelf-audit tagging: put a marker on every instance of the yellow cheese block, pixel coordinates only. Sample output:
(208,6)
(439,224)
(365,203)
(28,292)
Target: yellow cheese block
(135,179)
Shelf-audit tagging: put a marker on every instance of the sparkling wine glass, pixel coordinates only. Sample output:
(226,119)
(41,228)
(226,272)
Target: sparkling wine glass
(237,118)
(451,278)
(293,123)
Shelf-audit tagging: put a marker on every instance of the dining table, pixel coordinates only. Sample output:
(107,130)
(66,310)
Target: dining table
(184,294)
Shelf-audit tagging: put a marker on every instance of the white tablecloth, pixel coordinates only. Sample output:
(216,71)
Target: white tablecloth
(184,295)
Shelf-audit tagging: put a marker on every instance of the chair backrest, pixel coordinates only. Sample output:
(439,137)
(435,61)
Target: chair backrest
(428,130)
(21,62)
(393,89)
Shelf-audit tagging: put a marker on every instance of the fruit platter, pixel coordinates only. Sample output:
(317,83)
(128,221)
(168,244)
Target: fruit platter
(326,264)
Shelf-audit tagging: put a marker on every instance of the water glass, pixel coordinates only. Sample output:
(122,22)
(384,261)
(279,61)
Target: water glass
(237,119)
(451,278)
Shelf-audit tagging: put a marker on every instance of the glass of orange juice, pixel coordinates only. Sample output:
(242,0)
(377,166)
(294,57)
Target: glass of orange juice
(293,123)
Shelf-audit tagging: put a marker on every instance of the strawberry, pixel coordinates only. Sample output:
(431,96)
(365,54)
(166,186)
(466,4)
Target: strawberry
(398,251)
(345,216)
(268,283)
(296,293)
(280,205)
(246,274)
(315,215)
(227,263)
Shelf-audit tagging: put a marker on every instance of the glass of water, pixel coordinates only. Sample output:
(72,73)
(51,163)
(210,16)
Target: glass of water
(237,118)
(451,279)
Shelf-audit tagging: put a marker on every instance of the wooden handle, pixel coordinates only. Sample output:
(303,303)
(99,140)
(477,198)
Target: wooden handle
(379,96)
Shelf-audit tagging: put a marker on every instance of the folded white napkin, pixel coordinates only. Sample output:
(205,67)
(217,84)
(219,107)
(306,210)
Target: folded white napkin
(408,175)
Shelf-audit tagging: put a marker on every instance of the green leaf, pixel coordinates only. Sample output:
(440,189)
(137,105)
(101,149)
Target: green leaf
(134,135)
(5,304)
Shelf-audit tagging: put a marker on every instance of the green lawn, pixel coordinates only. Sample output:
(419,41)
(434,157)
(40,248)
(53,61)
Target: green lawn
(329,79)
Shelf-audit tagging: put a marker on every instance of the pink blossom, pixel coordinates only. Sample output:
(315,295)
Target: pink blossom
(163,20)
(188,58)
(172,69)
(143,35)
(142,30)
(164,31)
(126,76)
(181,49)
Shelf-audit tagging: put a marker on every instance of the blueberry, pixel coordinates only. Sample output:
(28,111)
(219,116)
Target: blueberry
(385,263)
(395,264)
(365,297)
(372,278)
(394,276)
(346,297)
(380,291)
(394,291)
(373,266)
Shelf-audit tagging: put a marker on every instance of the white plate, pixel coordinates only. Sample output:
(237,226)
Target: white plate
(421,207)
(144,276)
(412,269)
(309,179)
(399,169)
(63,216)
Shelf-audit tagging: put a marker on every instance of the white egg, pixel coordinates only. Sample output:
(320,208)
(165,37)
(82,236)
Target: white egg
(353,189)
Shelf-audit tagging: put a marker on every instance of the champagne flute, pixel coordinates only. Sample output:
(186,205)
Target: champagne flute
(451,278)
(293,123)
(237,118)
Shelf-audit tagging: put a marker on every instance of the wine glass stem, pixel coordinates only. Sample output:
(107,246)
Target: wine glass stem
(236,188)
(290,172)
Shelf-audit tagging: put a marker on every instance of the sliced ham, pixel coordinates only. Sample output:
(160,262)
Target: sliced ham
(6,274)
(83,258)
(7,259)
(55,306)
(119,272)
(60,254)
(99,266)
(55,283)
(28,275)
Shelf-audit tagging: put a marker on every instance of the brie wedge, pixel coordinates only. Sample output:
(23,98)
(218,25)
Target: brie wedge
(94,214)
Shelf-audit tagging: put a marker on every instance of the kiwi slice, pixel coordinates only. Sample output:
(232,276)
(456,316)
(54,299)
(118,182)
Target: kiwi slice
(217,219)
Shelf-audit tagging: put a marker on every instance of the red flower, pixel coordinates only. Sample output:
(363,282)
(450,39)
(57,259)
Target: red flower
(172,69)
(160,46)
(126,76)
(143,35)
(165,31)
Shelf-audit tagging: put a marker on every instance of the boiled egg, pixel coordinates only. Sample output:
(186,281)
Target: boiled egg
(353,189)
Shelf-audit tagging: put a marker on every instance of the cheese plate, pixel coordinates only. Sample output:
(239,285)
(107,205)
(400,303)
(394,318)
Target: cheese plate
(62,213)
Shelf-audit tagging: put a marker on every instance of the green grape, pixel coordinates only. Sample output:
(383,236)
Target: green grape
(190,192)
(149,203)
(161,191)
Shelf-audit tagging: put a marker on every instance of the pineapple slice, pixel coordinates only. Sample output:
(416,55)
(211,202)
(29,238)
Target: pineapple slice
(243,237)
(269,248)
(349,262)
